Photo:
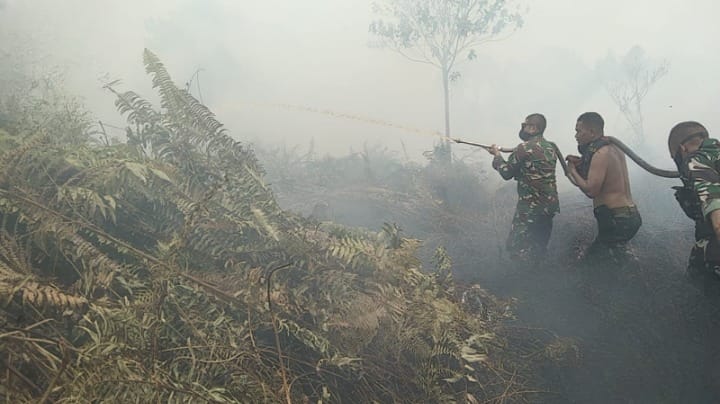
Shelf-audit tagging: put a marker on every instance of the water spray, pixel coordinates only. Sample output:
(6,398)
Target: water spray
(341,115)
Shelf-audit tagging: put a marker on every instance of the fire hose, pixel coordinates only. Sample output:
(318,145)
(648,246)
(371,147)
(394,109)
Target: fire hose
(615,141)
(622,146)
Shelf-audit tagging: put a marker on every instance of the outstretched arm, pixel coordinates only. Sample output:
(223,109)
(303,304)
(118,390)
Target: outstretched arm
(596,175)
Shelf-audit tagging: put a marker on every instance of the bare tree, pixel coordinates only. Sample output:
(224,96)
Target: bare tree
(628,82)
(442,32)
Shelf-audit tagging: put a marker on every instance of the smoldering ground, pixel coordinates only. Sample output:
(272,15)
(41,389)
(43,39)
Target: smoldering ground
(640,333)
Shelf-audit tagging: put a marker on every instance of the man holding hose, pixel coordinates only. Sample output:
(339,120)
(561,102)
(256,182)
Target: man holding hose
(532,165)
(601,173)
(697,157)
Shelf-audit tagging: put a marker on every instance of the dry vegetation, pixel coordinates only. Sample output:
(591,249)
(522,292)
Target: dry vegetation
(162,269)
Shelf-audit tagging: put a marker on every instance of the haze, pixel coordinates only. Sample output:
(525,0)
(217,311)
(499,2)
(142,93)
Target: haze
(315,53)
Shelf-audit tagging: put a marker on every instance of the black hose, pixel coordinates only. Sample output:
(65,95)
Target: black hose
(642,163)
(561,159)
(622,146)
(509,150)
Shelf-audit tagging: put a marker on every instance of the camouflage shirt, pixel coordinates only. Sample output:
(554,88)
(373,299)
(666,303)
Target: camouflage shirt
(532,164)
(703,174)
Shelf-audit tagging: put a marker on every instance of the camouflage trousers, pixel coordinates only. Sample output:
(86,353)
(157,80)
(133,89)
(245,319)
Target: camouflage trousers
(703,269)
(529,236)
(616,226)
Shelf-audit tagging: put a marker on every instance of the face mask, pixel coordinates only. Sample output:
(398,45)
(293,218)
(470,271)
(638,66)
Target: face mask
(525,136)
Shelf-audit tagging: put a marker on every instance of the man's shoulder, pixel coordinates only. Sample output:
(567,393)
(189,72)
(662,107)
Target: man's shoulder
(547,144)
(609,148)
(599,144)
(709,149)
(535,145)
(606,148)
(701,159)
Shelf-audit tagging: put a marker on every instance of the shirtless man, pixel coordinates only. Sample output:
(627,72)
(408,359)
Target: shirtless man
(601,173)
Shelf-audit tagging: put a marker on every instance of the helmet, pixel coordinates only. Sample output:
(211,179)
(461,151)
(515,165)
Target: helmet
(683,132)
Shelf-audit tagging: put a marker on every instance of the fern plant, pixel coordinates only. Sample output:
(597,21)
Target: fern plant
(148,272)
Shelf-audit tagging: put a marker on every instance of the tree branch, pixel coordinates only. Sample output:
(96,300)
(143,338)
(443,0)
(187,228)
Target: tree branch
(408,57)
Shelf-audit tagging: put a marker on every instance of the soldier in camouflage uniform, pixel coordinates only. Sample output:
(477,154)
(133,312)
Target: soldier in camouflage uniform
(697,157)
(532,165)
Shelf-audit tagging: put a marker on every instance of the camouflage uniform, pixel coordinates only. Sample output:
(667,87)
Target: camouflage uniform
(532,164)
(700,195)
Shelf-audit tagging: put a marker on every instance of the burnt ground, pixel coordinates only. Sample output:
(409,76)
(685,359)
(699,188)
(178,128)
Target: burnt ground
(643,333)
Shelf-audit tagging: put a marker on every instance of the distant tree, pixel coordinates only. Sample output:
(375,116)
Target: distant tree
(34,97)
(441,32)
(628,81)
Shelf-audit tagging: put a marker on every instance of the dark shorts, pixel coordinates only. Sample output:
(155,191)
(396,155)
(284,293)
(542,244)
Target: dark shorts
(529,235)
(616,227)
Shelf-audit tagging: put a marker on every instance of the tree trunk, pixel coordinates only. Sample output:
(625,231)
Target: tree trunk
(640,130)
(446,96)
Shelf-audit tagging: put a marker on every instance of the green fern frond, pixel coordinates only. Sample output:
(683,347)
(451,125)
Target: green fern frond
(138,110)
(192,119)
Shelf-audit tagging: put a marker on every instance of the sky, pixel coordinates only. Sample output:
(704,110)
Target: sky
(253,56)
